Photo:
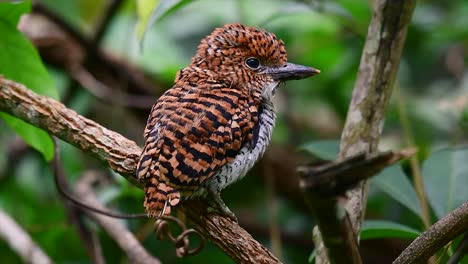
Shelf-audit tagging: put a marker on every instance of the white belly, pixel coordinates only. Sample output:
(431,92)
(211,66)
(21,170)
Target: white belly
(248,155)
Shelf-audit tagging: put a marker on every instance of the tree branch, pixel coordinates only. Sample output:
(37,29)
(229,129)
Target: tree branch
(75,214)
(109,14)
(20,241)
(377,71)
(66,47)
(373,88)
(125,239)
(323,188)
(121,154)
(439,234)
(88,237)
(460,252)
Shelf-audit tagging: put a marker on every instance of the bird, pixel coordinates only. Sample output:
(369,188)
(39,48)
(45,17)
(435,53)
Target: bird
(209,129)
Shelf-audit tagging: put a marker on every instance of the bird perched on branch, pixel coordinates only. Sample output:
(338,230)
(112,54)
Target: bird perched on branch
(211,127)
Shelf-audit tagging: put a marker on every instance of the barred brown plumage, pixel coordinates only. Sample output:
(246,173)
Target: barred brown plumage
(208,130)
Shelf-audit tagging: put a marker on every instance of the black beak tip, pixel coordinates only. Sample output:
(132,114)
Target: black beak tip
(302,72)
(292,71)
(308,72)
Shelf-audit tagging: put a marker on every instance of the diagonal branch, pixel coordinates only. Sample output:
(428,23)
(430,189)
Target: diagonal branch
(61,45)
(443,231)
(323,188)
(20,241)
(121,154)
(135,252)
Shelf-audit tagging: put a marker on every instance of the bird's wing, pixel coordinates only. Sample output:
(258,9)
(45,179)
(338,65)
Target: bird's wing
(201,131)
(191,134)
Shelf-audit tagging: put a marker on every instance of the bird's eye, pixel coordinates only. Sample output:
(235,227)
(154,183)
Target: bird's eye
(252,63)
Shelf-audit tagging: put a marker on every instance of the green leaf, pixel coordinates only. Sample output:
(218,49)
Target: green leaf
(312,256)
(144,10)
(385,229)
(11,12)
(394,182)
(445,175)
(151,11)
(324,149)
(20,61)
(35,137)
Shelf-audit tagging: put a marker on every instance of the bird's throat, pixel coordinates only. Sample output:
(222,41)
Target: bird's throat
(269,90)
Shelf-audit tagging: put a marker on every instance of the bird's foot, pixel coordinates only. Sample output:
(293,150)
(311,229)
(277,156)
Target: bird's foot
(218,206)
(224,211)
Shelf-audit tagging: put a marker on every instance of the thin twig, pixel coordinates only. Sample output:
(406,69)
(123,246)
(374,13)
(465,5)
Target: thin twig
(124,238)
(56,19)
(460,252)
(109,13)
(111,68)
(443,231)
(20,241)
(162,229)
(105,93)
(414,160)
(92,246)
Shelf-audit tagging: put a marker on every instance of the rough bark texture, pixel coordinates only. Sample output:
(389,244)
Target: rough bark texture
(372,90)
(377,71)
(235,241)
(322,185)
(340,244)
(438,235)
(121,155)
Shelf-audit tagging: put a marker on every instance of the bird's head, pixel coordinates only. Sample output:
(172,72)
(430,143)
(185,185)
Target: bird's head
(248,58)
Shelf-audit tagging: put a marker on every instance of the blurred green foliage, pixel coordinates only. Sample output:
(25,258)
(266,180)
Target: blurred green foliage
(20,62)
(429,109)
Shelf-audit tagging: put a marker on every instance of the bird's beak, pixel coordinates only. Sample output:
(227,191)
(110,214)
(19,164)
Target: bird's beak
(291,71)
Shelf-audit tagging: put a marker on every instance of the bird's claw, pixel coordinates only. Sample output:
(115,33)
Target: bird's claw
(218,206)
(228,213)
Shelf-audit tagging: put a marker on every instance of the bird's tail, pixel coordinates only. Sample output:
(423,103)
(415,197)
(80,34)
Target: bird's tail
(159,198)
